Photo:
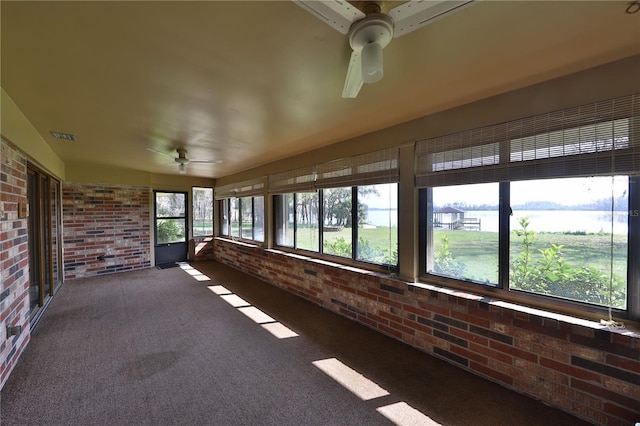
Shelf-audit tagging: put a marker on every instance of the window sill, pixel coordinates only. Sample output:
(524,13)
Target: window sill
(240,242)
(629,330)
(338,262)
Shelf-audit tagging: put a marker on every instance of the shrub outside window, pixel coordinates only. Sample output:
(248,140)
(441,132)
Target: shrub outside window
(569,238)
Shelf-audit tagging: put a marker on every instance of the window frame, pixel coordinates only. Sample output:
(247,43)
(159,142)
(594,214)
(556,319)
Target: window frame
(320,253)
(503,291)
(225,206)
(596,139)
(193,211)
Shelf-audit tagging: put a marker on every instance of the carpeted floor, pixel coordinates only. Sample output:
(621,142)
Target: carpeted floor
(212,346)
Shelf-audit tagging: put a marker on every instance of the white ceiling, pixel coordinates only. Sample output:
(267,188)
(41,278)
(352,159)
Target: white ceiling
(249,83)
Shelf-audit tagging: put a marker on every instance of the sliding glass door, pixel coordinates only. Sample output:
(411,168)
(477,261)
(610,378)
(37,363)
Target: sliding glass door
(44,229)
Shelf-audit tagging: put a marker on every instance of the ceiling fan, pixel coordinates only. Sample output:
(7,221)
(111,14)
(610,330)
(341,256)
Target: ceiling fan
(182,159)
(370,30)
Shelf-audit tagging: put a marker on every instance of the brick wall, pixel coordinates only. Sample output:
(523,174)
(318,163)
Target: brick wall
(14,257)
(106,229)
(201,249)
(568,363)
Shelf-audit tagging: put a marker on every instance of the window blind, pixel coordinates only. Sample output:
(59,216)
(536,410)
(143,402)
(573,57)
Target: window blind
(298,180)
(602,138)
(365,169)
(240,189)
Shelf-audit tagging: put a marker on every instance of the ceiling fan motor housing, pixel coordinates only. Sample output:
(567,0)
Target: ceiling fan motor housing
(374,28)
(369,36)
(182,156)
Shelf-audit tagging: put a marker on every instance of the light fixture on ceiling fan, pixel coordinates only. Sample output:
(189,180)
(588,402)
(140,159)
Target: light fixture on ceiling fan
(182,159)
(370,31)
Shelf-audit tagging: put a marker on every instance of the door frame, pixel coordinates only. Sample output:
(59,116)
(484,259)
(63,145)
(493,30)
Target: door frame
(175,251)
(44,226)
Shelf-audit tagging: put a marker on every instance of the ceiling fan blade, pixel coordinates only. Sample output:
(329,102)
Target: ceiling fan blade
(159,152)
(339,14)
(354,76)
(206,161)
(412,15)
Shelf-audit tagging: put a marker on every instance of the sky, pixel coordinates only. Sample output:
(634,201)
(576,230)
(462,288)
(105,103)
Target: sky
(563,191)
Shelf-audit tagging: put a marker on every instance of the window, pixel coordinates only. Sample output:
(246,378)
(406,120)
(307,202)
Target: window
(303,220)
(242,218)
(242,209)
(202,211)
(285,219)
(337,222)
(542,208)
(464,232)
(347,208)
(246,217)
(171,217)
(234,216)
(297,220)
(569,238)
(224,217)
(258,219)
(307,220)
(378,224)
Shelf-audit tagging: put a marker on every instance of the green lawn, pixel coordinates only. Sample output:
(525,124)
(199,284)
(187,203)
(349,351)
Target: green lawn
(382,241)
(202,228)
(479,250)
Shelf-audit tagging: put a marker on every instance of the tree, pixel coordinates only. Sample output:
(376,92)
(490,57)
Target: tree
(338,203)
(337,206)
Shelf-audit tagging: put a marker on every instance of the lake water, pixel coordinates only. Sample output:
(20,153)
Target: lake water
(383,217)
(539,220)
(557,220)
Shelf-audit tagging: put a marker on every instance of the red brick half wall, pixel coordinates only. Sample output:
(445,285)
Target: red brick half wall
(575,365)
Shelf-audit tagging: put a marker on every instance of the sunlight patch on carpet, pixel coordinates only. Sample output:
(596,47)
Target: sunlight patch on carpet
(279,330)
(219,289)
(362,387)
(402,414)
(195,274)
(267,322)
(234,300)
(256,315)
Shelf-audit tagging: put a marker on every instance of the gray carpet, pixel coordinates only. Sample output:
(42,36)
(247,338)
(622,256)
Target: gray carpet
(158,347)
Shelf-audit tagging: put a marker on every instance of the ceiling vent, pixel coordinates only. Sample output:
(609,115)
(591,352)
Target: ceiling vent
(63,136)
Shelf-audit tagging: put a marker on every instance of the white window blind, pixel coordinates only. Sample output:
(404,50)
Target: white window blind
(595,139)
(240,189)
